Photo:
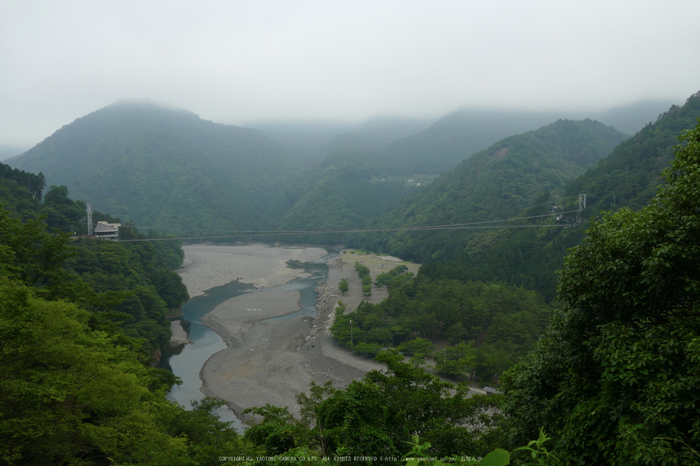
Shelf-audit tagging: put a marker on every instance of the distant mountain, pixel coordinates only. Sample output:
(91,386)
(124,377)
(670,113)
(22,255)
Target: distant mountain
(301,140)
(311,140)
(530,257)
(9,151)
(460,134)
(166,169)
(352,142)
(456,137)
(631,118)
(337,198)
(508,176)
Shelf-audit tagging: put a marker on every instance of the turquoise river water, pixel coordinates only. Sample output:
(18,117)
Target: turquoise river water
(187,362)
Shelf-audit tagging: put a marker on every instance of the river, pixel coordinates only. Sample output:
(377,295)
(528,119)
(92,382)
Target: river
(187,362)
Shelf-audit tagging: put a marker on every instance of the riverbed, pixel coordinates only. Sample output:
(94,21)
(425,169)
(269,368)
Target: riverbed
(270,342)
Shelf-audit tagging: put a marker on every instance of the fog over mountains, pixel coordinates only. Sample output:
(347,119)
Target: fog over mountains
(168,169)
(493,232)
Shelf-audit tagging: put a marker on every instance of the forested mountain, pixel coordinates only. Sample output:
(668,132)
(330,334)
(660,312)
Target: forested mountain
(456,137)
(400,146)
(464,132)
(339,197)
(437,149)
(166,169)
(530,257)
(170,170)
(631,174)
(9,151)
(352,185)
(494,184)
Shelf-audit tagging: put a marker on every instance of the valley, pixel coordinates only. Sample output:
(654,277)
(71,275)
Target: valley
(271,351)
(501,241)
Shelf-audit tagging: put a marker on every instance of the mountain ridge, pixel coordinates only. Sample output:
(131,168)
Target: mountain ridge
(165,168)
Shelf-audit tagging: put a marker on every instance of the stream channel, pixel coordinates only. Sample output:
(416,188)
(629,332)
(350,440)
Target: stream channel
(187,361)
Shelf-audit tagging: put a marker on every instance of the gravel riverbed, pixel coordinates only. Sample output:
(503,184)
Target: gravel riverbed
(269,362)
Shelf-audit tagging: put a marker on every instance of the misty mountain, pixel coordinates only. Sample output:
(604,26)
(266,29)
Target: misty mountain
(460,134)
(339,197)
(9,151)
(166,169)
(632,118)
(301,139)
(529,257)
(353,143)
(313,139)
(510,175)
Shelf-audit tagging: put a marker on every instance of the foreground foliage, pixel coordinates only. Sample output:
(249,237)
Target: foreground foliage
(379,415)
(78,326)
(616,377)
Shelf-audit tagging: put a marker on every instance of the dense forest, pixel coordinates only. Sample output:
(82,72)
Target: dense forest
(488,326)
(529,257)
(167,169)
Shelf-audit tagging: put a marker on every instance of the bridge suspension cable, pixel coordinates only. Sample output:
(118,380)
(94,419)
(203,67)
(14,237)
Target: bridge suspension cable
(452,226)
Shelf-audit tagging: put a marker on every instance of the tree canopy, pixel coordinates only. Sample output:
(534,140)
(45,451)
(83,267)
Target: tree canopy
(616,375)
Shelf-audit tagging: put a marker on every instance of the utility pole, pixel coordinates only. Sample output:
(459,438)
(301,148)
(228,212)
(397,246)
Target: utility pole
(581,202)
(89,220)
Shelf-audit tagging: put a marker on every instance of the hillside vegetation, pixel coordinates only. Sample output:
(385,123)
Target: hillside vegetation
(615,377)
(605,363)
(166,169)
(526,257)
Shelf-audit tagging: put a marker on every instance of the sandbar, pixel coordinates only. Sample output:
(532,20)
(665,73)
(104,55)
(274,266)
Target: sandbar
(207,266)
(271,362)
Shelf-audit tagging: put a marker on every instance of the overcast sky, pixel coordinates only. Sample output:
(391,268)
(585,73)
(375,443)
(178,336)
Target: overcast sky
(236,61)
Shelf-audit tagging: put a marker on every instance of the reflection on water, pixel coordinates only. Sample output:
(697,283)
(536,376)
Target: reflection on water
(186,362)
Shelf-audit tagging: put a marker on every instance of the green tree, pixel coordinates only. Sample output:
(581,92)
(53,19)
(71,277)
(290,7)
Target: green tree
(380,414)
(343,286)
(311,414)
(419,349)
(208,438)
(69,393)
(458,360)
(616,376)
(278,431)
